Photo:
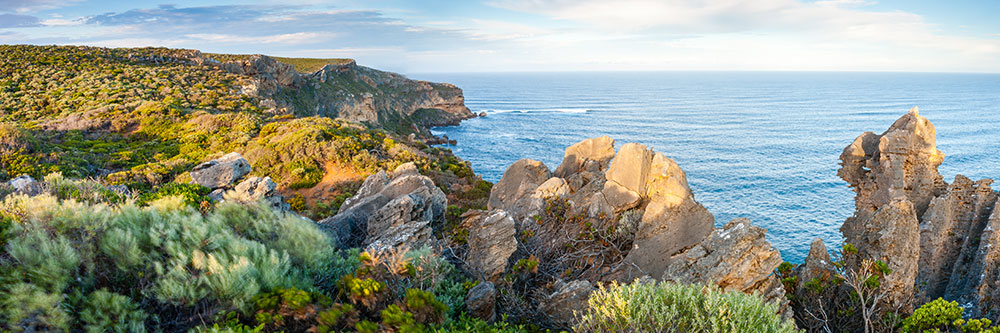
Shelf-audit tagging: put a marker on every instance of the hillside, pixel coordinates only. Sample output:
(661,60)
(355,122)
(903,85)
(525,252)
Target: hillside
(141,117)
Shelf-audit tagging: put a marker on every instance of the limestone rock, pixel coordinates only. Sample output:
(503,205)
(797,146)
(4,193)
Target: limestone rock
(26,185)
(938,239)
(982,287)
(412,235)
(554,187)
(255,189)
(567,302)
(387,207)
(902,162)
(891,235)
(630,167)
(736,257)
(949,233)
(492,240)
(817,265)
(618,197)
(221,172)
(481,301)
(600,149)
(520,179)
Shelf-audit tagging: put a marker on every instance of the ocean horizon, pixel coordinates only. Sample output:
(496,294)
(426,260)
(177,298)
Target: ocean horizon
(754,144)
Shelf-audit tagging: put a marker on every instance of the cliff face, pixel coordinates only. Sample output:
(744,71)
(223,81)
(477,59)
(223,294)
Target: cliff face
(351,92)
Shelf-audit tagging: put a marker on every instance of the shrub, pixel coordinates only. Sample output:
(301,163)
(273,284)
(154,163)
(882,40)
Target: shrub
(670,307)
(943,316)
(26,307)
(466,323)
(106,311)
(192,194)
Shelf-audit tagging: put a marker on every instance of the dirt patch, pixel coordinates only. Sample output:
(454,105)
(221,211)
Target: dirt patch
(336,178)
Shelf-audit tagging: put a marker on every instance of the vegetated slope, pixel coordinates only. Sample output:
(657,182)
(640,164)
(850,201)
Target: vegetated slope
(143,116)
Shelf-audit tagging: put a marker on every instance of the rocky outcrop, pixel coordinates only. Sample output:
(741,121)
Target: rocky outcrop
(481,301)
(491,242)
(26,185)
(222,172)
(647,220)
(255,189)
(936,238)
(735,257)
(344,90)
(390,210)
(901,162)
(567,302)
(672,221)
(945,231)
(816,266)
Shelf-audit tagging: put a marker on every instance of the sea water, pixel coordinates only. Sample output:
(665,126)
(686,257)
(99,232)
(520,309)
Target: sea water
(760,145)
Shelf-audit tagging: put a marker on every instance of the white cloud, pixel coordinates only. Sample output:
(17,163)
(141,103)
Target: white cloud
(292,38)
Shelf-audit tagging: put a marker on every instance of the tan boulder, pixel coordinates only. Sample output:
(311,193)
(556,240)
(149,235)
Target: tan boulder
(630,167)
(600,149)
(491,242)
(520,179)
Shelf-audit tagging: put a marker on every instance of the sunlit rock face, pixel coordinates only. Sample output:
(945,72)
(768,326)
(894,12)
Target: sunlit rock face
(939,239)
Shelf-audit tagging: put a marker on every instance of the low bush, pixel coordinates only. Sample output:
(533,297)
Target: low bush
(671,307)
(943,316)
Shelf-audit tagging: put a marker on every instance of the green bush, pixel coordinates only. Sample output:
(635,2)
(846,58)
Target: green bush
(173,259)
(192,194)
(670,307)
(26,307)
(106,311)
(943,316)
(466,323)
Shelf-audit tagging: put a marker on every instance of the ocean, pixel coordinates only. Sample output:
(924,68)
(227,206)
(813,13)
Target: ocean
(760,145)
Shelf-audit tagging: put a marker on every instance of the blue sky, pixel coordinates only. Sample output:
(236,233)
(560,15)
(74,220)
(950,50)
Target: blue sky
(542,35)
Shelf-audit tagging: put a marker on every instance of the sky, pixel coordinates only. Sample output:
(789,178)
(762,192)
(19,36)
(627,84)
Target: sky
(541,35)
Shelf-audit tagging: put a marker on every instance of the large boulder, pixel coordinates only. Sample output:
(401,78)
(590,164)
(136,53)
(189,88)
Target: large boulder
(26,185)
(600,149)
(520,179)
(569,300)
(252,190)
(491,242)
(672,220)
(736,257)
(481,301)
(390,210)
(222,172)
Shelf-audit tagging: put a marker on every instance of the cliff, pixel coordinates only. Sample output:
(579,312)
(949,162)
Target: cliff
(343,90)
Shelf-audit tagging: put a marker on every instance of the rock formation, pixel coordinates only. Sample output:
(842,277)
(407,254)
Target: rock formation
(736,257)
(491,242)
(481,301)
(567,301)
(649,223)
(938,239)
(390,210)
(222,172)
